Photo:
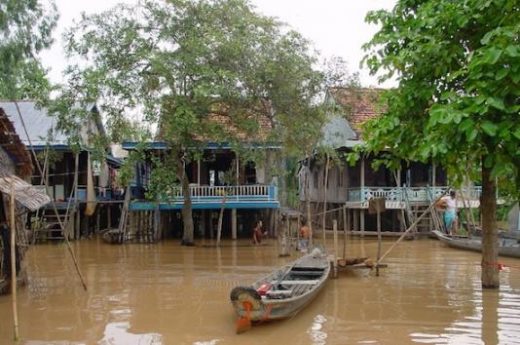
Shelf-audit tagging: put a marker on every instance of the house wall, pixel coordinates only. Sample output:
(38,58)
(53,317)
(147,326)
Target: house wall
(7,164)
(341,178)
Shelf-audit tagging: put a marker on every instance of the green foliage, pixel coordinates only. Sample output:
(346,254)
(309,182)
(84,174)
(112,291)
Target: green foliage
(25,30)
(177,62)
(458,97)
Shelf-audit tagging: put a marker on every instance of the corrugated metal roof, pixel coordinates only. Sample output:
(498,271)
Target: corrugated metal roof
(41,127)
(338,133)
(13,147)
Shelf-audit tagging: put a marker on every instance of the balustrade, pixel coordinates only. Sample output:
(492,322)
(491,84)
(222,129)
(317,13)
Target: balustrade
(415,194)
(230,193)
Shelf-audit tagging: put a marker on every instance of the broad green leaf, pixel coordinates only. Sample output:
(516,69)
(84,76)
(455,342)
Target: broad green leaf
(501,74)
(489,128)
(496,103)
(492,55)
(516,133)
(513,50)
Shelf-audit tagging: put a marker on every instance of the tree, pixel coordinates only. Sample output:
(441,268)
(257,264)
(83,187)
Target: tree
(179,61)
(457,102)
(25,29)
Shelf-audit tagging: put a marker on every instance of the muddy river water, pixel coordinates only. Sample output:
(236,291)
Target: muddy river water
(168,294)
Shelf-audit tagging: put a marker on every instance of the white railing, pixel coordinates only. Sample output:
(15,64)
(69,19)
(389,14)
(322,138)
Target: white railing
(231,193)
(415,194)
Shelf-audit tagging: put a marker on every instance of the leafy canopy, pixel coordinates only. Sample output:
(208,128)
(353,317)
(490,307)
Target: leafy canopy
(179,61)
(25,29)
(458,68)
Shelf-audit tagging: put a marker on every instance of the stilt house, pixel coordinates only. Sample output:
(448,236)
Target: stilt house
(221,179)
(408,191)
(58,171)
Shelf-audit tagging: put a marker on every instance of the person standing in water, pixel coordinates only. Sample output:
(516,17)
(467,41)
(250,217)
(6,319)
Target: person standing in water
(305,237)
(257,233)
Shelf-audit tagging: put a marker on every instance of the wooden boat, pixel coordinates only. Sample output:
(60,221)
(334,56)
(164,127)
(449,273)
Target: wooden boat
(113,236)
(282,293)
(506,246)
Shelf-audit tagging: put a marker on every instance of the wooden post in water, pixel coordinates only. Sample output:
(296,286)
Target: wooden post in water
(77,214)
(345,225)
(13,261)
(378,240)
(335,262)
(325,195)
(377,205)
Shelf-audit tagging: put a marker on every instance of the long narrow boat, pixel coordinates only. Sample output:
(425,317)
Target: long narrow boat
(282,293)
(506,246)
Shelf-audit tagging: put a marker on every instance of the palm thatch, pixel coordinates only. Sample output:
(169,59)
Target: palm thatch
(25,193)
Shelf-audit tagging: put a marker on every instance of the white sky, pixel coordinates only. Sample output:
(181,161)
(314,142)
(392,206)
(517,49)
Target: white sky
(336,27)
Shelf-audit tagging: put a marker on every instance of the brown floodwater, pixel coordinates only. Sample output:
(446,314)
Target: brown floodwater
(168,294)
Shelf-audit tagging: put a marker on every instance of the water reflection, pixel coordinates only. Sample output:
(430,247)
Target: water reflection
(168,294)
(117,334)
(316,333)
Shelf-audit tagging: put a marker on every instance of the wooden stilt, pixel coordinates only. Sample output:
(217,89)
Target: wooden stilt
(13,262)
(345,229)
(378,239)
(76,197)
(335,262)
(156,223)
(325,192)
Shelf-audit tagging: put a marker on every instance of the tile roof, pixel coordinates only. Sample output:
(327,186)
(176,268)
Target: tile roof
(359,105)
(255,126)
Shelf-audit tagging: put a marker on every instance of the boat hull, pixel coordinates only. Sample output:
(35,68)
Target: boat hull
(283,293)
(506,246)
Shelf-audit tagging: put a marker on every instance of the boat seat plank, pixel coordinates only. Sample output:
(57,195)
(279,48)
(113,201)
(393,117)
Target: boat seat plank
(309,273)
(299,282)
(279,293)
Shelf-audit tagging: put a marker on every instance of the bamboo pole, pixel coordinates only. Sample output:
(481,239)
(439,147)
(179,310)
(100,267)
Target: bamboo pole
(325,190)
(345,228)
(378,237)
(13,262)
(52,200)
(468,210)
(335,232)
(410,228)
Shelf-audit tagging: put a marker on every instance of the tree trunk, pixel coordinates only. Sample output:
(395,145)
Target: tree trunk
(220,219)
(488,205)
(187,214)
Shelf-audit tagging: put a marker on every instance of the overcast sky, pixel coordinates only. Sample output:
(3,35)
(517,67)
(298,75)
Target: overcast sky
(336,27)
